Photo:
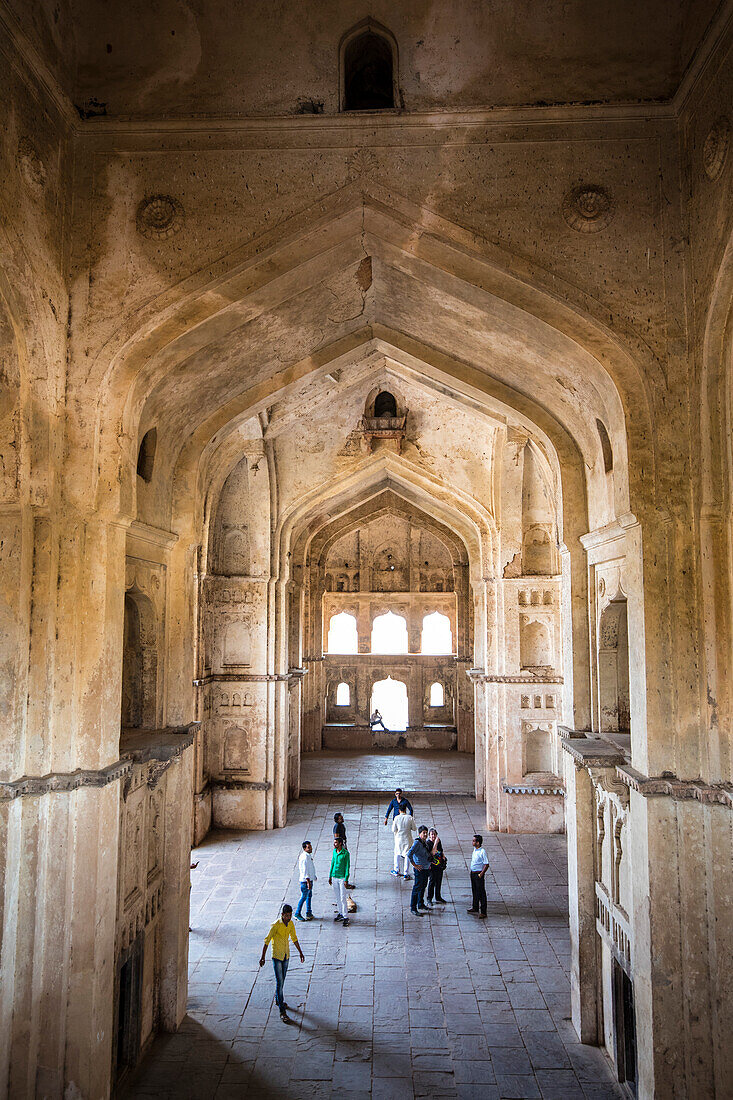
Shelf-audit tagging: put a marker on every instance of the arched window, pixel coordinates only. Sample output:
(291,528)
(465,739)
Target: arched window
(368,62)
(146,455)
(437,636)
(605,446)
(343,637)
(389,634)
(343,695)
(437,695)
(385,404)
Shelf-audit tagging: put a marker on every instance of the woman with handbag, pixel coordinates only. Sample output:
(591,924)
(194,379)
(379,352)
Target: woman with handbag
(437,867)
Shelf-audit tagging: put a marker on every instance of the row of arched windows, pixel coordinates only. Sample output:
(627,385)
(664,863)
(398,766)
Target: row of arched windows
(437,695)
(389,634)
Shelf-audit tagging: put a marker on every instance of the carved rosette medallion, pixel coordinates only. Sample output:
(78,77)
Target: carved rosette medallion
(159,217)
(30,164)
(361,162)
(715,149)
(588,208)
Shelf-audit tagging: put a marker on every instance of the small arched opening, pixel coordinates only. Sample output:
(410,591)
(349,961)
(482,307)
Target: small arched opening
(437,695)
(146,455)
(343,695)
(385,404)
(368,70)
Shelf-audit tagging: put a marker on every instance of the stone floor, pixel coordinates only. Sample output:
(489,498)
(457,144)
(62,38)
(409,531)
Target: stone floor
(413,770)
(395,1006)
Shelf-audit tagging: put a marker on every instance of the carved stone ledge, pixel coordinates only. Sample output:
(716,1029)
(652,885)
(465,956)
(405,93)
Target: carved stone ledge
(241,785)
(669,786)
(246,677)
(477,676)
(533,788)
(591,752)
(64,781)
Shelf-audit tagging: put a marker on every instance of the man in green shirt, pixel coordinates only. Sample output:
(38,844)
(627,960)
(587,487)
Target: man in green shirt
(338,876)
(282,931)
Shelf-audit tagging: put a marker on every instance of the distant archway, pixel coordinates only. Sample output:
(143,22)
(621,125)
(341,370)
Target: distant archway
(437,636)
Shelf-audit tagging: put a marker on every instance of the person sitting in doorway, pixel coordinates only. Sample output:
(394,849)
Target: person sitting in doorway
(376,720)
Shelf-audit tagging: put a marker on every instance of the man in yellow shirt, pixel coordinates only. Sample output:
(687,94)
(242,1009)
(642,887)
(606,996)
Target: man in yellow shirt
(282,931)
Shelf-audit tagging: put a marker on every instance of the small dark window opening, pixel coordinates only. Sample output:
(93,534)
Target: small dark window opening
(385,405)
(146,455)
(368,77)
(605,446)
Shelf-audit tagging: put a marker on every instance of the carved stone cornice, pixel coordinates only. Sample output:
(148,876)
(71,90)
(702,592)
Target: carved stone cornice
(161,746)
(669,786)
(246,677)
(478,676)
(55,782)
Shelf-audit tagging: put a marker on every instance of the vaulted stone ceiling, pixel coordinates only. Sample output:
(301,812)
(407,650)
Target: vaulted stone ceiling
(177,58)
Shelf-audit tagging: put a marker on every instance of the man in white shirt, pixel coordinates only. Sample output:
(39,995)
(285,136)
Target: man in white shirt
(307,872)
(479,866)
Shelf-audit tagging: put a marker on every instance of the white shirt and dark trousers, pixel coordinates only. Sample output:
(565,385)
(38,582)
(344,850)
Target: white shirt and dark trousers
(479,860)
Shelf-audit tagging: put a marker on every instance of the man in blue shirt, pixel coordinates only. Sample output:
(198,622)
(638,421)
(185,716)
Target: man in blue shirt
(397,803)
(420,856)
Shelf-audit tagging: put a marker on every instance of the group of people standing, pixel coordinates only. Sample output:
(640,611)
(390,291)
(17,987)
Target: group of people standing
(418,848)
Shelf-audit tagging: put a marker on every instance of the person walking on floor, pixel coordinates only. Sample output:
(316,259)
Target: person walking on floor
(338,876)
(339,830)
(438,865)
(479,866)
(396,805)
(282,931)
(307,873)
(404,830)
(420,856)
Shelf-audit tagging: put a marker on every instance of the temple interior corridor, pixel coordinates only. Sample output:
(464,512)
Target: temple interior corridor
(394,1006)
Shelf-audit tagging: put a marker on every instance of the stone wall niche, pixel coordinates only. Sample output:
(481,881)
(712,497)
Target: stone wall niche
(613,668)
(139,662)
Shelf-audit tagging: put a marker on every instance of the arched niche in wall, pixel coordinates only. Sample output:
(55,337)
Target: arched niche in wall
(538,553)
(235,749)
(368,68)
(613,668)
(229,543)
(535,644)
(537,749)
(139,663)
(237,644)
(146,455)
